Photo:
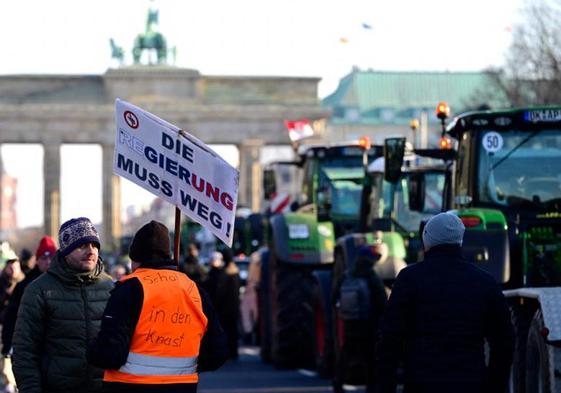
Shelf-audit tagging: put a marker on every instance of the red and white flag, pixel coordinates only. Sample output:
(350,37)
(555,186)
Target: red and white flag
(298,129)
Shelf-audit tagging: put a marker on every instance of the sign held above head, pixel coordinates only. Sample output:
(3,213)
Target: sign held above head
(177,167)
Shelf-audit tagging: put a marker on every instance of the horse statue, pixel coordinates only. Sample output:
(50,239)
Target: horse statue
(150,40)
(117,52)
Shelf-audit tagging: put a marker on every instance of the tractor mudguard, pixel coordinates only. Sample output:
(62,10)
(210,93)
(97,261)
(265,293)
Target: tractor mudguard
(486,241)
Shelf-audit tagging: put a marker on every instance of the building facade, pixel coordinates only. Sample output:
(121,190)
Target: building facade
(379,104)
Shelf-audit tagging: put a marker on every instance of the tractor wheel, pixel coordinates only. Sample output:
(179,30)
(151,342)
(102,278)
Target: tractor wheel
(293,337)
(337,325)
(323,332)
(541,359)
(521,316)
(264,307)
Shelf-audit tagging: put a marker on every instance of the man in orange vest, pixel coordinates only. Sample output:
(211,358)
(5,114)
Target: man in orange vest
(158,329)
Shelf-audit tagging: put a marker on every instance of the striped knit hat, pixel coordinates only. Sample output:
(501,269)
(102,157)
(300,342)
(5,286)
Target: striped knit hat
(75,232)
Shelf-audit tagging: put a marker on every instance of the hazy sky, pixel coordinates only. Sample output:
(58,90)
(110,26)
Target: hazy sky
(244,37)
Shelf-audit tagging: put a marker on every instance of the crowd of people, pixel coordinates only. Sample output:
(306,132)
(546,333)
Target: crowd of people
(68,326)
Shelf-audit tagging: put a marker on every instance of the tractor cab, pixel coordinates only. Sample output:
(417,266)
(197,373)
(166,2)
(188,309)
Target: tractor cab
(408,188)
(507,179)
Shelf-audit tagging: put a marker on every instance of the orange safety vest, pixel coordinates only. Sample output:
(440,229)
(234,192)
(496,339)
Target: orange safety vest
(165,344)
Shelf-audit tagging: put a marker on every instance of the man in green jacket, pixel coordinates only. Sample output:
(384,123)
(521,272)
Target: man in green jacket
(59,313)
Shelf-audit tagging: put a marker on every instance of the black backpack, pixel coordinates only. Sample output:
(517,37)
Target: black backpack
(354,298)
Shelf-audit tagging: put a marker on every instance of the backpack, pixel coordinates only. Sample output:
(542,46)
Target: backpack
(354,298)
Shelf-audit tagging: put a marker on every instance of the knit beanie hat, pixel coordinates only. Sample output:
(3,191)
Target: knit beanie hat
(227,255)
(151,245)
(47,247)
(75,232)
(444,228)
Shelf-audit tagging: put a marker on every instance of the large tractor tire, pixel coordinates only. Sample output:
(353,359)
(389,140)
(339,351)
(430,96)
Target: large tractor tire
(521,316)
(541,360)
(337,326)
(323,325)
(293,325)
(264,307)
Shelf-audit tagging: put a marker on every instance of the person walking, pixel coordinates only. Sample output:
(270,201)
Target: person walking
(43,255)
(439,314)
(11,276)
(360,297)
(159,329)
(223,285)
(46,250)
(191,266)
(228,299)
(26,260)
(59,312)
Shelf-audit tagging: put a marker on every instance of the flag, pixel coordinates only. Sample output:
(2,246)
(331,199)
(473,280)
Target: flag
(298,129)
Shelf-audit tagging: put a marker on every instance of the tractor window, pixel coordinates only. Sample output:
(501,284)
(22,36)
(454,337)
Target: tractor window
(306,195)
(519,167)
(379,197)
(434,189)
(345,189)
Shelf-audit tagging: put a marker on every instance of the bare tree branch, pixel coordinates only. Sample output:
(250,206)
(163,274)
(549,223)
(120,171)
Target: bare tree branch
(531,74)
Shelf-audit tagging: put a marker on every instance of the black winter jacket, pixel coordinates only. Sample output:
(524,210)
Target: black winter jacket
(12,310)
(59,313)
(111,347)
(435,322)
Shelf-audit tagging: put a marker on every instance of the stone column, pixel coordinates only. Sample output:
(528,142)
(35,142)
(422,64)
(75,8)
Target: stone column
(51,180)
(111,201)
(249,193)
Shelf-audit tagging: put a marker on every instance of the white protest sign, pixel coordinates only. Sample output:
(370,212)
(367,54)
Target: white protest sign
(177,167)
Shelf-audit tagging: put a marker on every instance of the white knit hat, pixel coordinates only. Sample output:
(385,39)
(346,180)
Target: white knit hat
(444,228)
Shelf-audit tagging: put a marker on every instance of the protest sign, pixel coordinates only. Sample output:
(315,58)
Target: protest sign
(177,167)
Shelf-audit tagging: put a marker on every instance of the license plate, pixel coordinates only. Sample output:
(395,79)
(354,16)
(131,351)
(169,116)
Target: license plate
(545,115)
(298,231)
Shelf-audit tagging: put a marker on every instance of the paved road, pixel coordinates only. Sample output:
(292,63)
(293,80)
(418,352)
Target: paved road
(249,375)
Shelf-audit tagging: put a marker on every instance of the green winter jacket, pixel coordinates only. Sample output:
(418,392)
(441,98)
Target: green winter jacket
(60,313)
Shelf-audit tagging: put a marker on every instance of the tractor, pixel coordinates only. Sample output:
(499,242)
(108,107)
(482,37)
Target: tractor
(296,264)
(506,188)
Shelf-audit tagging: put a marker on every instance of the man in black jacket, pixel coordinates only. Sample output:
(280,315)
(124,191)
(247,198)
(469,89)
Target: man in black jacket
(438,317)
(158,329)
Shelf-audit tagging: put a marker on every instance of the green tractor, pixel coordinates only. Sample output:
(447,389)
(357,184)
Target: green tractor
(392,214)
(507,191)
(297,263)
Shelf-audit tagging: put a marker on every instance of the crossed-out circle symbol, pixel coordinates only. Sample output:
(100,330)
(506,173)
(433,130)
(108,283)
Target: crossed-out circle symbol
(131,119)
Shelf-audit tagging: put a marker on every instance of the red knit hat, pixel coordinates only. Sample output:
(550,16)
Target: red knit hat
(46,247)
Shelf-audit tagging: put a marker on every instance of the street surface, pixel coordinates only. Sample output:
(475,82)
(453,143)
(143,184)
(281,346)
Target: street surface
(250,375)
